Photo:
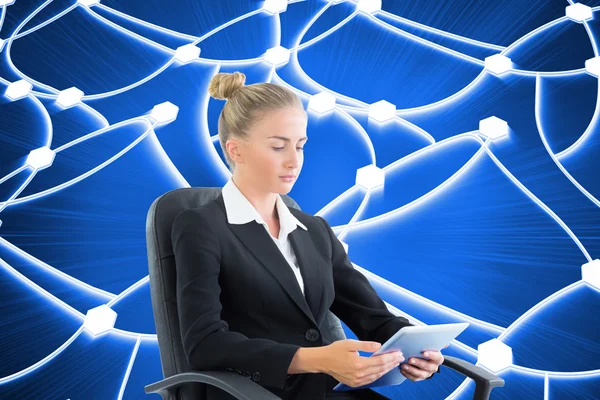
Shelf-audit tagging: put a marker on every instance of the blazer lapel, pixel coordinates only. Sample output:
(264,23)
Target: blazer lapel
(257,240)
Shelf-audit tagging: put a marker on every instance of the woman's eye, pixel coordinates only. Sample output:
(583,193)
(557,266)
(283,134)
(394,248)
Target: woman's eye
(300,148)
(277,148)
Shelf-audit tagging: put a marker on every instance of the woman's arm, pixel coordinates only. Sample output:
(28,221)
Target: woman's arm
(207,341)
(356,302)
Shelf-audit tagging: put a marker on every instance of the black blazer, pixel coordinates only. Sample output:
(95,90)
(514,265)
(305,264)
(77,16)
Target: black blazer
(241,308)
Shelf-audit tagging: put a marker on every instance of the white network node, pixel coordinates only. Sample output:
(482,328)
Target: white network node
(578,12)
(275,6)
(164,113)
(322,102)
(493,127)
(382,111)
(40,158)
(368,6)
(187,53)
(100,319)
(494,355)
(69,97)
(19,89)
(592,66)
(277,56)
(343,244)
(6,2)
(370,176)
(498,64)
(590,273)
(88,3)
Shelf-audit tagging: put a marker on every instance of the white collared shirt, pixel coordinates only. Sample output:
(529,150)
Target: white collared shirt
(240,211)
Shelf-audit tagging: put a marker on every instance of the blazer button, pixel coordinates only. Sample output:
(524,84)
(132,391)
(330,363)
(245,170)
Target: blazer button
(312,335)
(256,376)
(246,374)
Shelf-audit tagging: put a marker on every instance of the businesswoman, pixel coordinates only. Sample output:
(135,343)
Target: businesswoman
(256,279)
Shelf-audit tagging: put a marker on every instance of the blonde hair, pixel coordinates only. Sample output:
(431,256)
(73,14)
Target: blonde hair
(244,103)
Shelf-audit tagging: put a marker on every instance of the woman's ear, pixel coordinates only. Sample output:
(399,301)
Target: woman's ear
(233,148)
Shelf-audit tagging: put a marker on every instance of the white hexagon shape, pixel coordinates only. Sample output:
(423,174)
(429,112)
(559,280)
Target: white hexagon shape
(88,3)
(592,66)
(382,111)
(590,273)
(578,12)
(187,53)
(275,6)
(370,176)
(100,319)
(277,56)
(494,355)
(493,127)
(6,2)
(40,158)
(322,102)
(69,97)
(164,113)
(498,64)
(368,6)
(19,89)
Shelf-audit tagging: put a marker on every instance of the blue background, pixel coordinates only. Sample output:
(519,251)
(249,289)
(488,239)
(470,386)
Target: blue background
(493,233)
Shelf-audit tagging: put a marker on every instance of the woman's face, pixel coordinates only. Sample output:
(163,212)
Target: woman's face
(274,149)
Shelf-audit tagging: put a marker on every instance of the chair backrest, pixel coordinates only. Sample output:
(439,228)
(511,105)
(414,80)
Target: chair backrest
(162,272)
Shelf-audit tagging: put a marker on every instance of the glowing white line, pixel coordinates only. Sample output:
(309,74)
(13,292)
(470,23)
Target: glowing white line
(161,154)
(98,132)
(56,272)
(294,58)
(338,199)
(362,133)
(19,190)
(514,180)
(556,374)
(539,306)
(47,22)
(43,361)
(425,42)
(225,25)
(40,290)
(573,72)
(356,215)
(129,366)
(441,32)
(546,386)
(9,45)
(127,291)
(84,175)
(127,31)
(2,16)
(327,32)
(538,110)
(146,23)
(393,286)
(132,86)
(15,172)
(540,204)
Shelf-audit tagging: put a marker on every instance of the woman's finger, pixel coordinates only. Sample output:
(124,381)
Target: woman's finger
(416,371)
(428,366)
(434,356)
(411,376)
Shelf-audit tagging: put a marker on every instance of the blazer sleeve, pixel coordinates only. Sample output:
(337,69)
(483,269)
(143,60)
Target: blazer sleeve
(356,302)
(207,341)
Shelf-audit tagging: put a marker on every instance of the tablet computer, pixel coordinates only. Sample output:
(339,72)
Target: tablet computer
(412,341)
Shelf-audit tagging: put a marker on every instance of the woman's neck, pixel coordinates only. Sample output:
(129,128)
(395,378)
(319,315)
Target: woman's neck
(263,202)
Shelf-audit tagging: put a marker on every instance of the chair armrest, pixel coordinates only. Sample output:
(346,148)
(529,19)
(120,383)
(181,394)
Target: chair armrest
(232,383)
(485,381)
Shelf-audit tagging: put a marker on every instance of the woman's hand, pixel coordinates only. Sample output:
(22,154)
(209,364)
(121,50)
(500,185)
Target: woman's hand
(418,369)
(341,360)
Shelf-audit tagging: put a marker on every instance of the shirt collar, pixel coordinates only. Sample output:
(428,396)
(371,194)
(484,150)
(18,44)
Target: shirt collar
(240,211)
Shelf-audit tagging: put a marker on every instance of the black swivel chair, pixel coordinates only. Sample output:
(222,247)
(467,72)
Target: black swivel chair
(182,383)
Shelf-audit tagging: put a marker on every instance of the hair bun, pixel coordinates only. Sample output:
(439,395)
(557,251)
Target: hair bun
(223,85)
